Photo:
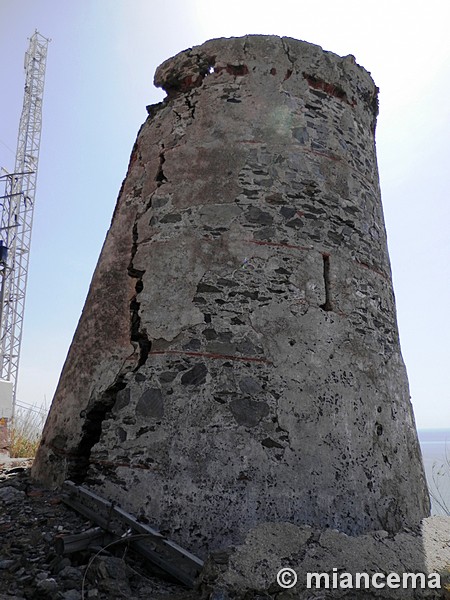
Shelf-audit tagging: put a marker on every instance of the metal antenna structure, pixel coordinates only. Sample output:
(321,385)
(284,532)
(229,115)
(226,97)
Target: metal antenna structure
(17,207)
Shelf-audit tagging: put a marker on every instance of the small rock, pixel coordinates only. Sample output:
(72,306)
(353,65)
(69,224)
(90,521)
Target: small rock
(72,595)
(47,586)
(219,595)
(70,577)
(111,576)
(61,565)
(9,494)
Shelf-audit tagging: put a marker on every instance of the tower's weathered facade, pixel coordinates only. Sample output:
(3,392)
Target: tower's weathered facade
(237,360)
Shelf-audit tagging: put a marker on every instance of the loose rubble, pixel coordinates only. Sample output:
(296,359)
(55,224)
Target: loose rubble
(31,518)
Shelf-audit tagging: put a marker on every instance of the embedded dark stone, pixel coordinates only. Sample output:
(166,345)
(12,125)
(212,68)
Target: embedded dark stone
(300,134)
(226,282)
(287,212)
(256,215)
(270,443)
(275,199)
(158,202)
(221,347)
(150,404)
(246,347)
(171,218)
(225,336)
(282,271)
(210,334)
(237,321)
(195,376)
(121,434)
(250,386)
(248,412)
(167,376)
(205,288)
(60,441)
(122,399)
(193,344)
(266,233)
(295,223)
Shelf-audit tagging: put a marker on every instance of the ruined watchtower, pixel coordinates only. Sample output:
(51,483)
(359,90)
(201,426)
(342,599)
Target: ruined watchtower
(237,360)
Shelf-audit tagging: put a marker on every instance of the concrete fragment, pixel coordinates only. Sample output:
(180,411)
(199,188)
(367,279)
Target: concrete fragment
(250,570)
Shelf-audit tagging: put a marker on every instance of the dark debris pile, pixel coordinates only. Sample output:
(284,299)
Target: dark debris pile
(31,517)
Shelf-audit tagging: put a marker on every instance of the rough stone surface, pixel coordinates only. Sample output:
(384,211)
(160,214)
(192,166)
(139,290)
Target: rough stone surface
(249,570)
(237,360)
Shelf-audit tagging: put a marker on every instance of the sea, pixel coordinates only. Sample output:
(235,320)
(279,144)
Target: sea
(435,445)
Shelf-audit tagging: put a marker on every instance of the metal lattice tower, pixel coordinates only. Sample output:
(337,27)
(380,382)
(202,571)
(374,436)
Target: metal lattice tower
(17,212)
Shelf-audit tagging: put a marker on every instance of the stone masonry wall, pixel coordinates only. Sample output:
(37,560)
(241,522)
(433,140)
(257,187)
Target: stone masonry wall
(237,360)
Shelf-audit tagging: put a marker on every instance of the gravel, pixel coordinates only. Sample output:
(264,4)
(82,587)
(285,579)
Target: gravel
(31,517)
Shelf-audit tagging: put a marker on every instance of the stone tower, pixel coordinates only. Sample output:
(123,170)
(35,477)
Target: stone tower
(237,360)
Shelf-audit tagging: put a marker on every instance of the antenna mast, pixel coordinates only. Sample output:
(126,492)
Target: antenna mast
(17,213)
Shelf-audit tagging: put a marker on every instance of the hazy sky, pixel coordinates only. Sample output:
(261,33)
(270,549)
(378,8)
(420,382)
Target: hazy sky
(100,70)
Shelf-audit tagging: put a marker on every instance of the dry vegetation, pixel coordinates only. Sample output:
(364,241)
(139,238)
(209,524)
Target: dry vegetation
(25,432)
(441,481)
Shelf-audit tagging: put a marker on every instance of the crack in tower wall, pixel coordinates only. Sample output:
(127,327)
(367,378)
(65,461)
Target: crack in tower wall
(327,305)
(100,407)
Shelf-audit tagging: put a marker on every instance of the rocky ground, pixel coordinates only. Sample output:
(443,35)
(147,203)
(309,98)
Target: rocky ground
(31,519)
